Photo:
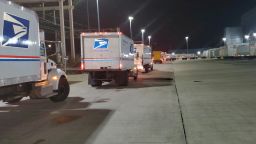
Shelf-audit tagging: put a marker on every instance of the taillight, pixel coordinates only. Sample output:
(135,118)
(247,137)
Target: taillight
(121,66)
(82,66)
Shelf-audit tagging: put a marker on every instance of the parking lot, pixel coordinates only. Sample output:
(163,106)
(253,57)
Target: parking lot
(193,102)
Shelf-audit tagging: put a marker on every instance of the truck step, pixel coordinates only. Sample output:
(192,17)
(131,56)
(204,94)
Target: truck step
(42,90)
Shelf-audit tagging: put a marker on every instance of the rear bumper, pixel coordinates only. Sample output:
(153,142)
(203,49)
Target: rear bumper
(103,70)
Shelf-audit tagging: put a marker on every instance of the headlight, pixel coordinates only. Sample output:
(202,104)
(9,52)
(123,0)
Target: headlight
(55,78)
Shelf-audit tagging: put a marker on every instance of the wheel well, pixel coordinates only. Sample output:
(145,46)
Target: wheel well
(63,77)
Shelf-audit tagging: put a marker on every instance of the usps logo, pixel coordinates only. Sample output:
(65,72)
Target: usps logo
(101,43)
(15,32)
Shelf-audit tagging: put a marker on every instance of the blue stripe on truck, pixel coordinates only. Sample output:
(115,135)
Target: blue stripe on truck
(5,60)
(98,60)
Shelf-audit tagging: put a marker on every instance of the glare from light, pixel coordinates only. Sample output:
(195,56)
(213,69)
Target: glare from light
(131,18)
(22,8)
(13,41)
(198,53)
(82,66)
(224,39)
(1,39)
(49,46)
(173,54)
(55,78)
(126,55)
(27,42)
(247,37)
(149,37)
(254,34)
(186,37)
(143,31)
(140,67)
(9,2)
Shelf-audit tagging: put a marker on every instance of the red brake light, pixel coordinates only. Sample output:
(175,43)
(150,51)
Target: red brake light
(82,66)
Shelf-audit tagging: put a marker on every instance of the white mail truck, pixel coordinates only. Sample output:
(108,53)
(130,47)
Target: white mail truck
(143,58)
(25,69)
(107,57)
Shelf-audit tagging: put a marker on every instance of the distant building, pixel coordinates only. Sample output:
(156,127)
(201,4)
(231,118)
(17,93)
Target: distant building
(233,35)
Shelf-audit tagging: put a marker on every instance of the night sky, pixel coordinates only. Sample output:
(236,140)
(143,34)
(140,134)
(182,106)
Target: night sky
(169,21)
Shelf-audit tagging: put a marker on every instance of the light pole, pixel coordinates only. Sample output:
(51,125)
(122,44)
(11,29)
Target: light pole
(131,19)
(98,13)
(187,38)
(142,32)
(88,15)
(149,40)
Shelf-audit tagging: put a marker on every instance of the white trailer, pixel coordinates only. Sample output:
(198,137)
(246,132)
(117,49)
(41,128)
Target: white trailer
(107,57)
(25,69)
(143,58)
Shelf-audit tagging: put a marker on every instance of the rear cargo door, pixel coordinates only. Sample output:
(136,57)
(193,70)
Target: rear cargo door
(101,52)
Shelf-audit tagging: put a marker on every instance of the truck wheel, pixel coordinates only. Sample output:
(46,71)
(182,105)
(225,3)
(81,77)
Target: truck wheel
(96,83)
(122,79)
(135,77)
(93,82)
(13,101)
(63,91)
(152,68)
(146,69)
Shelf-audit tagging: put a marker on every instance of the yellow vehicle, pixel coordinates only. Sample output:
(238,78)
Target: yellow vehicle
(158,57)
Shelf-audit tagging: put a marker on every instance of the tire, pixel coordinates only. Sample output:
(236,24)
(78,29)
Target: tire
(93,82)
(152,68)
(146,69)
(96,83)
(136,76)
(63,91)
(122,79)
(14,101)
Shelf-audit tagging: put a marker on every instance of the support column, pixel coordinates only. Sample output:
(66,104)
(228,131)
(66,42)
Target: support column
(43,10)
(71,24)
(62,30)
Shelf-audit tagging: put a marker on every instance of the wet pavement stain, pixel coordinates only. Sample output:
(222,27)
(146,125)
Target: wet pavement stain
(65,119)
(39,141)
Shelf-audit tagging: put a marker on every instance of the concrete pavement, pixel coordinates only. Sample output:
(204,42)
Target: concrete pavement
(146,111)
(218,101)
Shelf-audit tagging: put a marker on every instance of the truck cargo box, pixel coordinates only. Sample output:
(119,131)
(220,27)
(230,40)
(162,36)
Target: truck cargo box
(107,57)
(143,58)
(20,57)
(107,51)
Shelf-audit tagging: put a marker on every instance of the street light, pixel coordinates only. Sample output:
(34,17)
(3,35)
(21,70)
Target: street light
(224,40)
(149,40)
(187,38)
(142,32)
(247,37)
(254,34)
(98,13)
(131,19)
